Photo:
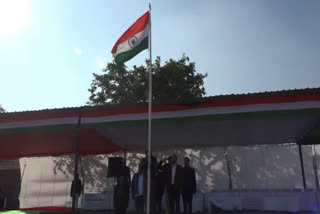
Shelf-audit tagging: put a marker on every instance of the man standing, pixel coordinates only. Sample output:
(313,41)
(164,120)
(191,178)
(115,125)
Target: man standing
(137,190)
(161,178)
(188,186)
(144,165)
(76,188)
(122,189)
(174,185)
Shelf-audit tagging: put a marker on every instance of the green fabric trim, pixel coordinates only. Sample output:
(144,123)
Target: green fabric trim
(155,122)
(205,118)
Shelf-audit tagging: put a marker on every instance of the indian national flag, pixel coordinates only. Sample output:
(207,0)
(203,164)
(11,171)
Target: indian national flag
(133,41)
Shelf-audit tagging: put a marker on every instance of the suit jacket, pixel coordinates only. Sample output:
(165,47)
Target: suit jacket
(189,185)
(177,185)
(135,185)
(124,179)
(122,188)
(76,187)
(161,177)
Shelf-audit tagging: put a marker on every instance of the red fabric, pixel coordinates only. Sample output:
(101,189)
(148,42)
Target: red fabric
(262,100)
(54,143)
(137,27)
(46,209)
(237,101)
(38,115)
(211,102)
(60,141)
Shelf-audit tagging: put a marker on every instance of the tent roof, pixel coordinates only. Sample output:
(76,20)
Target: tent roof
(246,119)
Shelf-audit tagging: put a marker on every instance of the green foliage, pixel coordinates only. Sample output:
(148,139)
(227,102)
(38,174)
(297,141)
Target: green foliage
(2,109)
(175,80)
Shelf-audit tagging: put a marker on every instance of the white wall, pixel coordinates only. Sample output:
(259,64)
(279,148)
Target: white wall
(47,180)
(41,186)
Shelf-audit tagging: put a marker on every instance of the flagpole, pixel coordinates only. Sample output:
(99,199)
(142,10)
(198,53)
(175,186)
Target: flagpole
(149,116)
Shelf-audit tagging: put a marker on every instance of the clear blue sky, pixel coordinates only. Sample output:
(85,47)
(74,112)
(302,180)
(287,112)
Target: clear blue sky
(49,49)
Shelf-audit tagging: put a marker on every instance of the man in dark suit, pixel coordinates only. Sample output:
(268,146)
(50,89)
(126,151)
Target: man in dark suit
(161,178)
(122,189)
(144,165)
(188,186)
(76,188)
(174,185)
(137,190)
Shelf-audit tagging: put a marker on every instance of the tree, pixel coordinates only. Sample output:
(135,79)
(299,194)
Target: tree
(175,80)
(2,110)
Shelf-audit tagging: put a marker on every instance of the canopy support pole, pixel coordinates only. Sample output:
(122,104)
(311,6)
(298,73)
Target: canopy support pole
(228,166)
(76,174)
(302,168)
(315,169)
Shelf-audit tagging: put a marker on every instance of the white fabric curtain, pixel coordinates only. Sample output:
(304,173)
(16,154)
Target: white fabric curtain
(252,168)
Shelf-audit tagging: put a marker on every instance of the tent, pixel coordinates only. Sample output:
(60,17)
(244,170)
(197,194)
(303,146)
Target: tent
(280,117)
(250,119)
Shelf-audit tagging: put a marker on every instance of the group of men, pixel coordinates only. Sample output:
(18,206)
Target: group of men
(168,178)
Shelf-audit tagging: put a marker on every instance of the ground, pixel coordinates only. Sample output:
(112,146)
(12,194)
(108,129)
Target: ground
(110,212)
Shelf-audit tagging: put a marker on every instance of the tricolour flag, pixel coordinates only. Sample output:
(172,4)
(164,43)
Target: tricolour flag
(133,41)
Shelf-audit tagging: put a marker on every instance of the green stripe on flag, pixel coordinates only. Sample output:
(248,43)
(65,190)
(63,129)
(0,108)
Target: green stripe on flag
(126,56)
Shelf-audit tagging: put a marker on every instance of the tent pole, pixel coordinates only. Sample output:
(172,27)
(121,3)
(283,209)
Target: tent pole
(302,167)
(315,169)
(228,166)
(76,175)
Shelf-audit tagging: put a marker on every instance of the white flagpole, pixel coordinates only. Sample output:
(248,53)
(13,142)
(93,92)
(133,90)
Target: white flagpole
(149,116)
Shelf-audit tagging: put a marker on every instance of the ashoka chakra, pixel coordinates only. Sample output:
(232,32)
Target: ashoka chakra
(133,42)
